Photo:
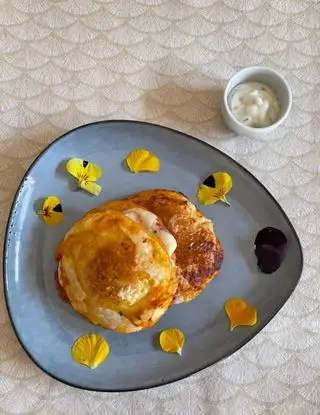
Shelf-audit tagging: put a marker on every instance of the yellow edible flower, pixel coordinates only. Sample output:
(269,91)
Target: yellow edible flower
(215,188)
(51,211)
(240,313)
(86,173)
(142,160)
(172,340)
(90,350)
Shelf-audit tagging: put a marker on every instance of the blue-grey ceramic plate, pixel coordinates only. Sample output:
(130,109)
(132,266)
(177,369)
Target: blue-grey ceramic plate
(47,327)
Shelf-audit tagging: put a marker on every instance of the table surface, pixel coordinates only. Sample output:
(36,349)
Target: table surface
(67,63)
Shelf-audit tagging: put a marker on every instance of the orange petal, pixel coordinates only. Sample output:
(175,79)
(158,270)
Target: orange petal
(240,313)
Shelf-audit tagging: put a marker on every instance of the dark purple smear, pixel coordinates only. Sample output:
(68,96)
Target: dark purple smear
(269,258)
(270,243)
(271,236)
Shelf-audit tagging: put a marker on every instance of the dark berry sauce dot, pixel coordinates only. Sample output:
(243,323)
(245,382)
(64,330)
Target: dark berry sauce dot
(271,236)
(269,258)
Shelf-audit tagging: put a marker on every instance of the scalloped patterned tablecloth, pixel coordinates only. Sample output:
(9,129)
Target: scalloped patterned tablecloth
(66,63)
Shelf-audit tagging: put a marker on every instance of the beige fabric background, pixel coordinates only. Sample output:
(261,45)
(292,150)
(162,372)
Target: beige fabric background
(65,63)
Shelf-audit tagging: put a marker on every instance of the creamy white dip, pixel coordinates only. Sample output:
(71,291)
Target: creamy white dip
(254,104)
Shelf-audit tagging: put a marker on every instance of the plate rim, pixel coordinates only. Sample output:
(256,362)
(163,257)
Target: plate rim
(179,377)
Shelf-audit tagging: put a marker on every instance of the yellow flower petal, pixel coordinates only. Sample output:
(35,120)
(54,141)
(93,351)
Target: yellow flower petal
(83,170)
(240,313)
(93,172)
(142,160)
(215,188)
(223,180)
(75,167)
(90,350)
(51,211)
(86,173)
(172,340)
(207,195)
(91,187)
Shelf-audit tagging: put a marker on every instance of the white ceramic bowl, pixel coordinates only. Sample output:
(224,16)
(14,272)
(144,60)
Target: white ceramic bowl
(268,77)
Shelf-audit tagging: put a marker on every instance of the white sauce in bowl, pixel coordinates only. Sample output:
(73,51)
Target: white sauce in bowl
(254,104)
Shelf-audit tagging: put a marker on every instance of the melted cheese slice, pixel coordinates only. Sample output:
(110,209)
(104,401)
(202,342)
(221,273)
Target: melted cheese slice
(153,225)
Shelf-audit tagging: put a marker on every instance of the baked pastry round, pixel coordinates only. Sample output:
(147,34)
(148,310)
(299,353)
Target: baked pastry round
(116,273)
